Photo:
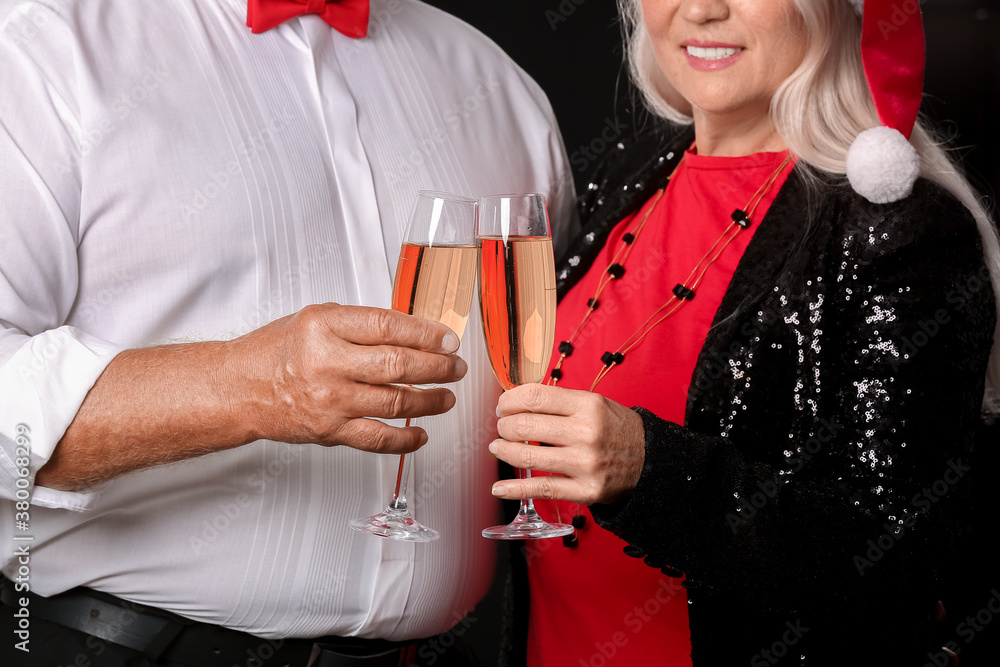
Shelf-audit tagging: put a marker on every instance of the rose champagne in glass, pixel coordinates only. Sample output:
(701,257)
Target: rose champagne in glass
(435,280)
(517,295)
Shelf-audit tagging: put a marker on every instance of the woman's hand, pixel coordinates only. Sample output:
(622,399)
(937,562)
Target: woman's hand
(598,445)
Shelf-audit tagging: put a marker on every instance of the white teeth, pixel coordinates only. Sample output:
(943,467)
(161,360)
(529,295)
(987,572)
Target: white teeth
(711,54)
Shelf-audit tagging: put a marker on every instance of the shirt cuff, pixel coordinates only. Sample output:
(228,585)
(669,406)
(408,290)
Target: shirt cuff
(43,385)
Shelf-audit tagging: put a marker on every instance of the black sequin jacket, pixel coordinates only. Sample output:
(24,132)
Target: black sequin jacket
(814,493)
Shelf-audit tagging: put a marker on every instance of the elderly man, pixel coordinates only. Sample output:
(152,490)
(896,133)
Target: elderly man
(188,189)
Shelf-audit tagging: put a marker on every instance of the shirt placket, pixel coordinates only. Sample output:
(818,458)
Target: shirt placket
(352,186)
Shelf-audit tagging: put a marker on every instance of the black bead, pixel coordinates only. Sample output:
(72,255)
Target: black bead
(566,348)
(629,238)
(654,562)
(594,304)
(672,572)
(633,551)
(618,358)
(691,584)
(579,521)
(616,271)
(683,293)
(556,374)
(741,218)
(571,541)
(607,358)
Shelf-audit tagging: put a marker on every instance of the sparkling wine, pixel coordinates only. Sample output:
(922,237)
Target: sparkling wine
(436,283)
(517,294)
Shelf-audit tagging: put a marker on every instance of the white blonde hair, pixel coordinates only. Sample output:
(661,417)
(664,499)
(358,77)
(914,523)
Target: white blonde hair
(819,111)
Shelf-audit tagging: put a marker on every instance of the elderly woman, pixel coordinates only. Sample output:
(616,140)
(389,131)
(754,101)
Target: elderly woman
(805,328)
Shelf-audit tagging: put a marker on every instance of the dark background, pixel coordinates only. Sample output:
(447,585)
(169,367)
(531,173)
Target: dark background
(573,49)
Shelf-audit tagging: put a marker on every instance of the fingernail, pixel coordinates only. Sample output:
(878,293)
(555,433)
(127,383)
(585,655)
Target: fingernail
(450,342)
(499,490)
(498,412)
(493,447)
(461,367)
(423,438)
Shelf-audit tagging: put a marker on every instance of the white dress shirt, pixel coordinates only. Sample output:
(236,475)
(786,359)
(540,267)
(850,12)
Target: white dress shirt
(167,176)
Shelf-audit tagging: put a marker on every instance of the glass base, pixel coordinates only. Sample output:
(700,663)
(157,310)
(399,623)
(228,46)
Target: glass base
(395,524)
(528,526)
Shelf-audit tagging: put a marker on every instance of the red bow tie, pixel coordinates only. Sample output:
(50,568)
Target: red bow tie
(348,16)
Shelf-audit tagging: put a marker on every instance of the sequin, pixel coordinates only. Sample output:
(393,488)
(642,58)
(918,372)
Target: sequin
(821,336)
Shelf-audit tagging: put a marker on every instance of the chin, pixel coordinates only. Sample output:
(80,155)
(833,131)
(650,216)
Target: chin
(721,107)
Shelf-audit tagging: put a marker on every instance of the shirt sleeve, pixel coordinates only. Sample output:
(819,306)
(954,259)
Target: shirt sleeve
(549,153)
(46,367)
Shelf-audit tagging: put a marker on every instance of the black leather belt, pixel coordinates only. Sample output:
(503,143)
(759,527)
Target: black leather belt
(159,634)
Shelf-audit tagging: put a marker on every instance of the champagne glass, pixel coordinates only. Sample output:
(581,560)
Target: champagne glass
(517,295)
(435,280)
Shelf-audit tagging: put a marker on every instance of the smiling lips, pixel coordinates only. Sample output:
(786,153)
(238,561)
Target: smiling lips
(709,56)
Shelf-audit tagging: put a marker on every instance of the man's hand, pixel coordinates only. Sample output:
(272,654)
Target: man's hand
(598,445)
(318,376)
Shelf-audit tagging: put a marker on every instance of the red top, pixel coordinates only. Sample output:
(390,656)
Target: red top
(593,605)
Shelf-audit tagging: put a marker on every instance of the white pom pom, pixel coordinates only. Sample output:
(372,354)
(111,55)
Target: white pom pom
(859,6)
(882,165)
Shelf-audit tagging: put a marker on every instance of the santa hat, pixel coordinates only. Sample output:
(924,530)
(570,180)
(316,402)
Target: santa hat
(882,165)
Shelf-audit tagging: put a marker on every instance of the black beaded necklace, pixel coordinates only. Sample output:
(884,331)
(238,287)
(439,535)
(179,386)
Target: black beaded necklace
(682,293)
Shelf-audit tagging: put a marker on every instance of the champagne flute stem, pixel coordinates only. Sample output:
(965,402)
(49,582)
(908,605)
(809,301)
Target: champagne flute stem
(399,494)
(527,504)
